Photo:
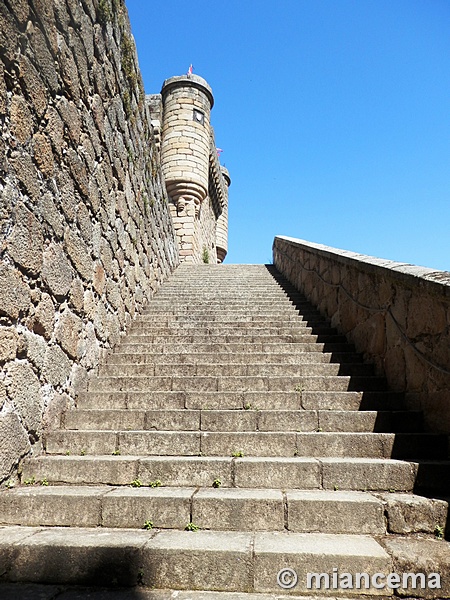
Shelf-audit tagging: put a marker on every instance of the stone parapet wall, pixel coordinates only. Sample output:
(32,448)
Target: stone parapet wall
(398,315)
(85,226)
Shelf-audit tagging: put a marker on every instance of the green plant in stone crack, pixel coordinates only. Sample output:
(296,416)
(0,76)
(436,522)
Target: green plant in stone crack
(116,453)
(237,454)
(217,483)
(44,481)
(191,527)
(137,483)
(439,532)
(155,484)
(30,481)
(148,525)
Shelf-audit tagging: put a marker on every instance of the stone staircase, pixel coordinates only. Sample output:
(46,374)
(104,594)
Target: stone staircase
(232,434)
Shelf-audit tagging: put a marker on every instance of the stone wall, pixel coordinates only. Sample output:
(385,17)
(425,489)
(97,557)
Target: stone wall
(86,235)
(398,315)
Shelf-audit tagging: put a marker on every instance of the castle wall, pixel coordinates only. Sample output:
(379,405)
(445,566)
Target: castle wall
(86,232)
(398,315)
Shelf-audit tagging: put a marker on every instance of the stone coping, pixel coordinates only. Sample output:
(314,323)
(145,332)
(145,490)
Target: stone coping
(433,280)
(194,81)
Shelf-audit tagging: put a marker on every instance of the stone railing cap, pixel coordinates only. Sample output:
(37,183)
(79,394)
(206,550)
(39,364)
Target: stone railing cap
(431,278)
(194,81)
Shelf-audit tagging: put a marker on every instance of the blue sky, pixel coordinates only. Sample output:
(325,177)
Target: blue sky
(334,117)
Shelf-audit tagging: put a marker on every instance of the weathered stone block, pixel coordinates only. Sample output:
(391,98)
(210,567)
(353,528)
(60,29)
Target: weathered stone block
(407,513)
(8,343)
(25,245)
(57,366)
(14,442)
(78,171)
(57,272)
(68,332)
(57,405)
(78,253)
(21,119)
(77,294)
(33,84)
(68,71)
(43,155)
(71,117)
(26,173)
(24,390)
(99,279)
(36,348)
(14,293)
(21,10)
(43,57)
(415,555)
(49,212)
(183,560)
(55,129)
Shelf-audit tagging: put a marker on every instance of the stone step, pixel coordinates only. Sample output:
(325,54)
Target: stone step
(221,358)
(34,591)
(243,318)
(222,509)
(225,312)
(197,304)
(242,562)
(289,333)
(259,293)
(213,348)
(281,327)
(233,370)
(272,400)
(247,443)
(182,560)
(372,474)
(231,338)
(338,383)
(285,317)
(246,419)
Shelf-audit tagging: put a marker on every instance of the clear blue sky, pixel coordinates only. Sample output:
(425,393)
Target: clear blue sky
(334,117)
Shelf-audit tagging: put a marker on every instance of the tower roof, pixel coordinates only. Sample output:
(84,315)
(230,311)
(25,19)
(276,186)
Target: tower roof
(194,81)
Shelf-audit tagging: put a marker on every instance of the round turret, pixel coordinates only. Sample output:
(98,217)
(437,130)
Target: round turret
(185,147)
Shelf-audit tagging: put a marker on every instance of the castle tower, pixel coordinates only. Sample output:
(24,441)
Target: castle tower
(222,222)
(192,173)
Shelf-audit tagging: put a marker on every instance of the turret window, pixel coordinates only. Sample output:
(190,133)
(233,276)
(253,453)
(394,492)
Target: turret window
(199,117)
